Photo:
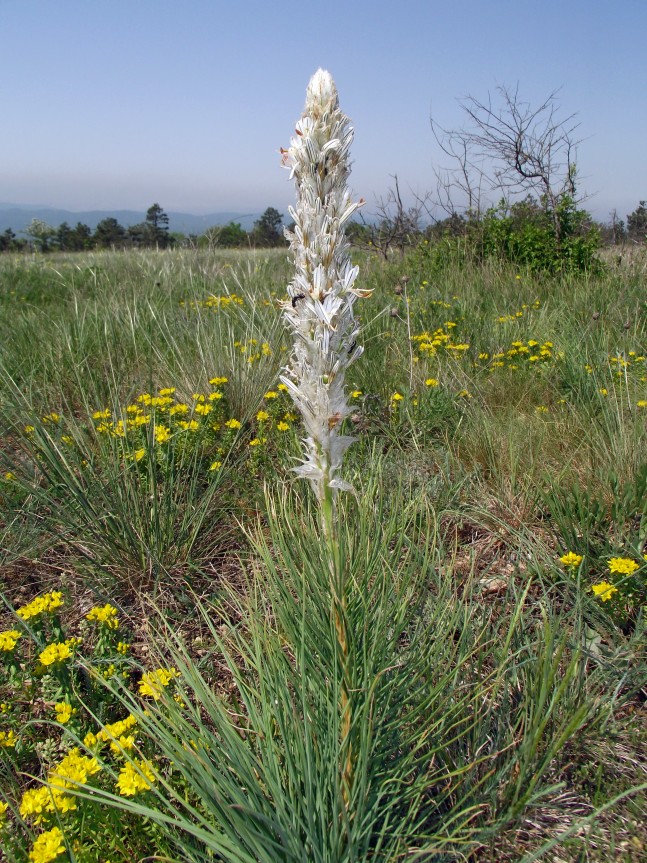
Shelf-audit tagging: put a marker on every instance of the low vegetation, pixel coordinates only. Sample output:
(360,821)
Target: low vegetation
(169,681)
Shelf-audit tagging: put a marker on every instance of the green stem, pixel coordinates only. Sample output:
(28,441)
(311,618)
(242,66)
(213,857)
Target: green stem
(338,608)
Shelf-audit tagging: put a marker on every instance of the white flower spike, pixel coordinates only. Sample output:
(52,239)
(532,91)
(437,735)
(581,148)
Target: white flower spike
(319,309)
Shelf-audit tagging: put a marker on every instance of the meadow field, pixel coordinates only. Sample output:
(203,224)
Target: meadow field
(171,686)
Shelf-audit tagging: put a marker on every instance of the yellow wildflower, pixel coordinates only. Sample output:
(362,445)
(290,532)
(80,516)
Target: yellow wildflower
(135,776)
(45,603)
(271,395)
(9,639)
(72,770)
(54,653)
(203,409)
(116,729)
(623,565)
(216,382)
(571,560)
(215,465)
(189,425)
(105,614)
(8,739)
(261,416)
(153,682)
(233,424)
(604,590)
(162,434)
(48,846)
(431,382)
(64,712)
(282,426)
(35,802)
(122,744)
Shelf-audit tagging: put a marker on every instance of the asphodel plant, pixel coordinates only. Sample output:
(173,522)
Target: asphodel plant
(319,312)
(319,308)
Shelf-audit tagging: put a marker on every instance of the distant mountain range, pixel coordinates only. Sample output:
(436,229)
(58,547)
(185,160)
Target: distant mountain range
(18,216)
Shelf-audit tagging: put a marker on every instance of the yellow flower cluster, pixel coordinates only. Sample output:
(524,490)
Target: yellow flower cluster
(116,734)
(8,739)
(167,417)
(41,605)
(55,653)
(252,351)
(64,712)
(153,682)
(531,352)
(214,301)
(135,776)
(430,343)
(509,319)
(115,730)
(571,560)
(37,803)
(222,301)
(625,364)
(104,614)
(48,846)
(604,590)
(623,565)
(9,639)
(74,769)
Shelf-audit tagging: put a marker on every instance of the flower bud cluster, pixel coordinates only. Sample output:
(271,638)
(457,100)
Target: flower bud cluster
(321,295)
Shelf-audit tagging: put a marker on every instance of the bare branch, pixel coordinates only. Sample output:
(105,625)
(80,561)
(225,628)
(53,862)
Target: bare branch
(509,147)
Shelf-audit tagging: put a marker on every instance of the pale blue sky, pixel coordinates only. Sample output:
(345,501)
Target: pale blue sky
(119,103)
